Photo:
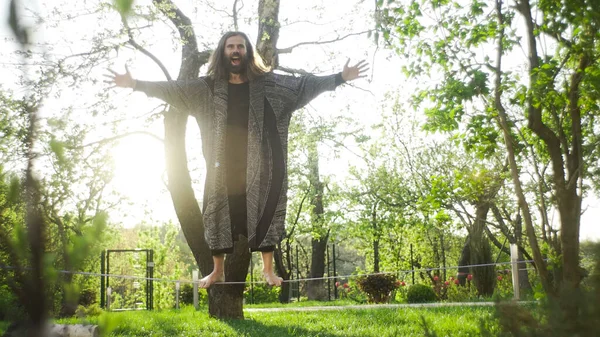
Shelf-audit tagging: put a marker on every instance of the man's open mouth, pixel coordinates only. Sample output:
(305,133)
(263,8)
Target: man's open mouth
(236,60)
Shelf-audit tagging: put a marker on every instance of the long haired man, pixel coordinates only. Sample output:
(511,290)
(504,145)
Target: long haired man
(243,110)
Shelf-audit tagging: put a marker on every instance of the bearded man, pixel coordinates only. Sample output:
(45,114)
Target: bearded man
(243,111)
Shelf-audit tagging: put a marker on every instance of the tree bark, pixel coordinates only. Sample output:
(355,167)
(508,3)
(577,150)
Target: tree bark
(284,271)
(509,141)
(316,289)
(463,261)
(225,301)
(376,240)
(481,253)
(268,29)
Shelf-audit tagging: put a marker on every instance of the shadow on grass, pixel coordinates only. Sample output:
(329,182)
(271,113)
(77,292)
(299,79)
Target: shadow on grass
(250,327)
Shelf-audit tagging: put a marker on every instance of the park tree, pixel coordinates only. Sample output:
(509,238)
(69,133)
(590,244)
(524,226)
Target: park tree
(315,199)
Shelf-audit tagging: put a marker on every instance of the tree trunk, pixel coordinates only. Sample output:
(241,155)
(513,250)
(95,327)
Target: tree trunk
(316,289)
(481,252)
(284,271)
(376,256)
(376,241)
(225,301)
(465,258)
(268,31)
(509,140)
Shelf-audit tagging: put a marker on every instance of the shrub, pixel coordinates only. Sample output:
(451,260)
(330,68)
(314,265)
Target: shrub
(261,293)
(186,294)
(378,287)
(504,286)
(87,297)
(420,293)
(92,310)
(350,291)
(10,308)
(458,293)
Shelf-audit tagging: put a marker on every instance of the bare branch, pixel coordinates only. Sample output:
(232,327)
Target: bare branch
(289,49)
(112,139)
(235,15)
(144,50)
(220,10)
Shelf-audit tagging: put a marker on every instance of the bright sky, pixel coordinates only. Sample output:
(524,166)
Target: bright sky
(139,159)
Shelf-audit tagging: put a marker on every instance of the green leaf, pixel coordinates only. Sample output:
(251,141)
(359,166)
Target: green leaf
(59,149)
(124,6)
(14,192)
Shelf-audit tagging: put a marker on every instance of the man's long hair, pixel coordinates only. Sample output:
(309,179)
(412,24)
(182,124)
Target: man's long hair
(255,66)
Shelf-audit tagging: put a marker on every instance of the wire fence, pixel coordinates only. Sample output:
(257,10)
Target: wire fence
(350,276)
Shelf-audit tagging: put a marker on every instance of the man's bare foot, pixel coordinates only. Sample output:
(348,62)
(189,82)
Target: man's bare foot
(212,278)
(272,279)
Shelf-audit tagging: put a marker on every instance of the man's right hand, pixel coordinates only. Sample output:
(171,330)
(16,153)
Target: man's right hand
(120,80)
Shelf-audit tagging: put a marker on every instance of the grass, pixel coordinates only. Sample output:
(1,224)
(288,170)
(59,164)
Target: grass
(303,303)
(377,322)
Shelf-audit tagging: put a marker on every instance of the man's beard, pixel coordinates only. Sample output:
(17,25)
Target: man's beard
(236,68)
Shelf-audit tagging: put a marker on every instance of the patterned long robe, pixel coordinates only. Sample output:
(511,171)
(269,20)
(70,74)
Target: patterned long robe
(273,98)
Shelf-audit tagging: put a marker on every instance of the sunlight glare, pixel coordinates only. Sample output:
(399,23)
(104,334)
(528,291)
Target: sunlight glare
(139,166)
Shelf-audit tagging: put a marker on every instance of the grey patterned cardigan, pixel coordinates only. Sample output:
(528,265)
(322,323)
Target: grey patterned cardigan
(273,98)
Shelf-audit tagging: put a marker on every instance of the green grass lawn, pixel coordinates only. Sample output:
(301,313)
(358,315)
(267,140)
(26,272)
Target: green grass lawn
(377,322)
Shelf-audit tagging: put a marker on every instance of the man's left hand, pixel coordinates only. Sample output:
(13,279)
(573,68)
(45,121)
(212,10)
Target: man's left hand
(357,71)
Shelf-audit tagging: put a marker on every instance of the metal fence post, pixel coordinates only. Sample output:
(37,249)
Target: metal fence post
(514,261)
(102,279)
(335,290)
(108,298)
(177,285)
(195,280)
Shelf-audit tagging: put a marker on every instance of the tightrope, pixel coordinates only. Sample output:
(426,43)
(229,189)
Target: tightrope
(401,272)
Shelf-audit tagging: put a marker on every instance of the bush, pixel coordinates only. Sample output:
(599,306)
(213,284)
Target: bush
(378,287)
(504,287)
(350,291)
(92,310)
(10,308)
(420,293)
(186,294)
(261,293)
(458,293)
(87,297)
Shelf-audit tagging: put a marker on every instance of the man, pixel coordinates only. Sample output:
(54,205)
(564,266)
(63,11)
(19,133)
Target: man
(243,111)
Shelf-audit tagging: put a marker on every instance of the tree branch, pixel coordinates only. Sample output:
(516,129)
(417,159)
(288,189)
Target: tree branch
(143,50)
(289,49)
(117,137)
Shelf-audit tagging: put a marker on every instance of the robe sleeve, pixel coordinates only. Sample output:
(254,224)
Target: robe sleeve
(307,87)
(186,95)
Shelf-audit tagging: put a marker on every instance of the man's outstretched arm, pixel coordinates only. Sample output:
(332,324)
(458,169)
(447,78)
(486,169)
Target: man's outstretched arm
(185,95)
(309,87)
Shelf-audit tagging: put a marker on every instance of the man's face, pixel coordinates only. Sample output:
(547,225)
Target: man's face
(235,54)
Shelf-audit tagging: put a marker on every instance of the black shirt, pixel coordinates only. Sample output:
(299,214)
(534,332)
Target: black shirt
(238,105)
(236,155)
